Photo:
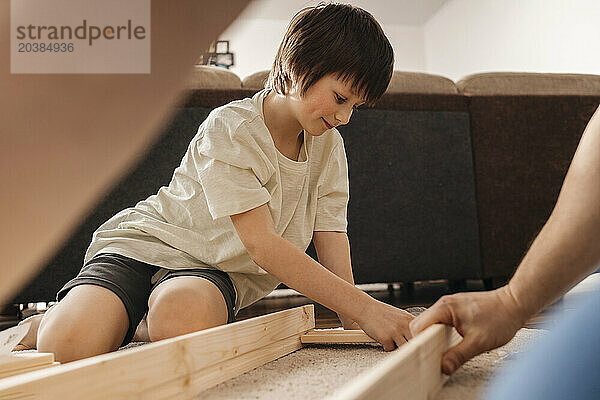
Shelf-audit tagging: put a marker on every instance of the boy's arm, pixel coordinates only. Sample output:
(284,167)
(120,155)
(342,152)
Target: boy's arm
(384,323)
(333,251)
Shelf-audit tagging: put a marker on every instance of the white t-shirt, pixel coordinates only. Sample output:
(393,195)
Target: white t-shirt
(232,166)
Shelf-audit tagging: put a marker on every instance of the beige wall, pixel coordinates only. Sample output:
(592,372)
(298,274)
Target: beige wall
(467,36)
(451,38)
(255,40)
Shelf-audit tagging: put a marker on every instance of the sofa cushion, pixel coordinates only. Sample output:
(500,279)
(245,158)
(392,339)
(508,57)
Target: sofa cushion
(412,213)
(417,82)
(528,83)
(401,82)
(256,80)
(209,77)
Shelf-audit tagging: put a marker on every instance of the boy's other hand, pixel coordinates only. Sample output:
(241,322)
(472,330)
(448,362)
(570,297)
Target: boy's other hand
(485,320)
(386,324)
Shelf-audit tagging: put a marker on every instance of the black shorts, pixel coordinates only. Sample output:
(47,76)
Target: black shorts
(131,281)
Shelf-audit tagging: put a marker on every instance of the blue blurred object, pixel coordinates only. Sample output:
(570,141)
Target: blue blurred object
(563,365)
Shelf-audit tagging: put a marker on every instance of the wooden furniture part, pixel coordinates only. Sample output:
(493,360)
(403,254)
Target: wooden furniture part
(177,368)
(7,374)
(336,336)
(19,363)
(413,372)
(182,367)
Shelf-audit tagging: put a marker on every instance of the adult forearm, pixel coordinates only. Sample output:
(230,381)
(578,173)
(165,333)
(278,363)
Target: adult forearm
(561,256)
(299,271)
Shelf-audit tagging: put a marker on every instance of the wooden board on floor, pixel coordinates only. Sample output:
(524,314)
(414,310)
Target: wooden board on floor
(6,374)
(220,372)
(21,361)
(323,336)
(412,372)
(172,368)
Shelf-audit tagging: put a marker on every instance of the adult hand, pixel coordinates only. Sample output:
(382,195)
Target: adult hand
(386,324)
(485,320)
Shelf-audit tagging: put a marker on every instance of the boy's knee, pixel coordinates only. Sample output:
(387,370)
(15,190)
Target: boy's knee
(70,338)
(181,311)
(64,340)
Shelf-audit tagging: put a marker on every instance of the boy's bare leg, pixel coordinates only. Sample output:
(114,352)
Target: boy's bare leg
(29,342)
(183,305)
(88,321)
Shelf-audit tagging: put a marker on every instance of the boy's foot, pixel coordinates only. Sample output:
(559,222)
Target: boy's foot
(29,342)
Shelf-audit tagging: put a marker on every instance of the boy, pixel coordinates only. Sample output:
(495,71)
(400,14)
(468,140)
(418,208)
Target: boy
(261,179)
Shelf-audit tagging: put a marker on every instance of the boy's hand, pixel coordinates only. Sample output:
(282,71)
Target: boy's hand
(348,323)
(386,324)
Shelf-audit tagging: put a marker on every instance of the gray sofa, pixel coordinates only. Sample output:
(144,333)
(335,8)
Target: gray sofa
(447,181)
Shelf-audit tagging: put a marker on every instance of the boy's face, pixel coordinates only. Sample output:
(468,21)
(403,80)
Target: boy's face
(328,103)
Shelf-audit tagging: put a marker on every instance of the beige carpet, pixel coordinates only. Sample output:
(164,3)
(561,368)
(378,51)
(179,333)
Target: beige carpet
(318,371)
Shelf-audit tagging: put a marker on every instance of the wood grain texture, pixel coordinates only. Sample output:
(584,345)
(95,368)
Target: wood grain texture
(413,372)
(19,363)
(25,370)
(24,360)
(336,336)
(180,367)
(190,385)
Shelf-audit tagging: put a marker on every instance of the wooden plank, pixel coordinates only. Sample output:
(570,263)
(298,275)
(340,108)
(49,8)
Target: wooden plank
(413,372)
(189,386)
(18,361)
(336,336)
(6,374)
(172,362)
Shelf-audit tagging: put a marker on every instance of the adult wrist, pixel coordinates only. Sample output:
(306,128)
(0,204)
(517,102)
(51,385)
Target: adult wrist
(519,307)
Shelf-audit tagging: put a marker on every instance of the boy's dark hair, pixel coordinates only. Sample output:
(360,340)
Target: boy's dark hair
(334,39)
